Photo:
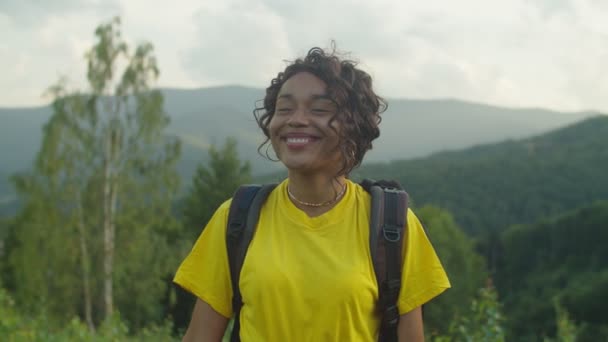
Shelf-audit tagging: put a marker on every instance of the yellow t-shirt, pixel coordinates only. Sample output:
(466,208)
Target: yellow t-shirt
(309,279)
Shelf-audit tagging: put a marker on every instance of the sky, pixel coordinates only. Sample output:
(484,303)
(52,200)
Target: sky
(517,53)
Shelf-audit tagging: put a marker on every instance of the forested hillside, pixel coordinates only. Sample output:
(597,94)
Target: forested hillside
(490,187)
(562,259)
(529,205)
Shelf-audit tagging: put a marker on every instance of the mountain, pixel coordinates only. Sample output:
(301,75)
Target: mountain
(410,128)
(490,187)
(20,136)
(7,195)
(201,117)
(417,128)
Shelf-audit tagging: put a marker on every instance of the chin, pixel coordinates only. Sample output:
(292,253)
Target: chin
(299,164)
(296,165)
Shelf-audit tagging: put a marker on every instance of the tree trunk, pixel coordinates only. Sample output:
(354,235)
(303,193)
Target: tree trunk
(108,227)
(86,268)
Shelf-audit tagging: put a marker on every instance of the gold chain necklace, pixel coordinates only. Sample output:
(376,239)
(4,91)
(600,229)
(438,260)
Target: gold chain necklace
(323,204)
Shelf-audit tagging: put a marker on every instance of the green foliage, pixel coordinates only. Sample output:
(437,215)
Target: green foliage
(491,187)
(96,226)
(42,256)
(15,327)
(465,268)
(567,331)
(213,184)
(562,258)
(483,323)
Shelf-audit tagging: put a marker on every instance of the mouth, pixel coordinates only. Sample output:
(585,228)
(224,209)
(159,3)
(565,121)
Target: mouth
(297,141)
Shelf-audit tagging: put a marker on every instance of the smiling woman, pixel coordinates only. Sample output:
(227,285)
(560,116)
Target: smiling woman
(341,92)
(302,132)
(308,274)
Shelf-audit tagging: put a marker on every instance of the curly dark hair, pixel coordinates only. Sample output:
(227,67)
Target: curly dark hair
(350,88)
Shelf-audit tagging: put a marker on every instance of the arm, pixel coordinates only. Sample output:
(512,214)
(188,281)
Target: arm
(410,326)
(206,325)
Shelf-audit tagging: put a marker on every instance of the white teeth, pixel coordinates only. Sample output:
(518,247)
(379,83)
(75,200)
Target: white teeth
(298,140)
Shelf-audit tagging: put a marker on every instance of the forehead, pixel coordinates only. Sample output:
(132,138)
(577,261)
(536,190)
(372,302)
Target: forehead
(303,85)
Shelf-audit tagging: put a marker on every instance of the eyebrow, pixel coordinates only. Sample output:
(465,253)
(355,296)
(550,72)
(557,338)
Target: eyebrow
(314,97)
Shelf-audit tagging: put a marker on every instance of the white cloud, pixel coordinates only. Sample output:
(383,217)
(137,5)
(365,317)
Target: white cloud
(547,53)
(238,43)
(39,52)
(170,27)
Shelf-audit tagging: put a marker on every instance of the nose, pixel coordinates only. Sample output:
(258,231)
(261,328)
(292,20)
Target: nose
(299,117)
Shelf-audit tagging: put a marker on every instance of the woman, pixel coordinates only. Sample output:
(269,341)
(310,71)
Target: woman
(308,275)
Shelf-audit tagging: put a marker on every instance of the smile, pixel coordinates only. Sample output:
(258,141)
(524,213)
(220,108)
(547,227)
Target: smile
(298,140)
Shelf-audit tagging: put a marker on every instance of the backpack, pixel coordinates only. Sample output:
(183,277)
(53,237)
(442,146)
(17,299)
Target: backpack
(387,220)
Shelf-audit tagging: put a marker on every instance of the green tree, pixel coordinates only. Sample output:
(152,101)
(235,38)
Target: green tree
(482,323)
(16,327)
(567,331)
(465,268)
(43,256)
(101,189)
(562,256)
(214,184)
(211,186)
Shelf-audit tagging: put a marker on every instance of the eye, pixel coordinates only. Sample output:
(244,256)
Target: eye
(320,111)
(322,107)
(284,110)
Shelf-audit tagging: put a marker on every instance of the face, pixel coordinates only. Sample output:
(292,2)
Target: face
(300,130)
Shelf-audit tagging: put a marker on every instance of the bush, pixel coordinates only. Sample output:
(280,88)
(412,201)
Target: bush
(16,327)
(483,323)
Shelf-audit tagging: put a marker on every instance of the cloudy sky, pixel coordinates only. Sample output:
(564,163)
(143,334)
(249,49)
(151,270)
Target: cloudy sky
(520,53)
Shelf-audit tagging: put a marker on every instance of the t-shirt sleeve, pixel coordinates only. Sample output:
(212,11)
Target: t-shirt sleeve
(423,276)
(205,272)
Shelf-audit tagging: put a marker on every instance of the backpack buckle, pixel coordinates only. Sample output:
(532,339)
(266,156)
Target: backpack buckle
(391,233)
(392,190)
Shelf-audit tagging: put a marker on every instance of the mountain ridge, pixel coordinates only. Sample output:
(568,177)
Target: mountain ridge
(410,128)
(492,186)
(207,116)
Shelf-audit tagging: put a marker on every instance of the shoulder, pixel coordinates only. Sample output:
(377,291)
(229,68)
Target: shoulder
(220,216)
(358,190)
(412,219)
(224,208)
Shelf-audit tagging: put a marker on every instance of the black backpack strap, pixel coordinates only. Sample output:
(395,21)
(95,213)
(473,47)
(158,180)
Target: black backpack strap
(242,221)
(387,224)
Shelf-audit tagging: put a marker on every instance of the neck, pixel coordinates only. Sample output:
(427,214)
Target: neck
(315,190)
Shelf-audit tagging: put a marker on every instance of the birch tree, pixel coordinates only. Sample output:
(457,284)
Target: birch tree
(109,169)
